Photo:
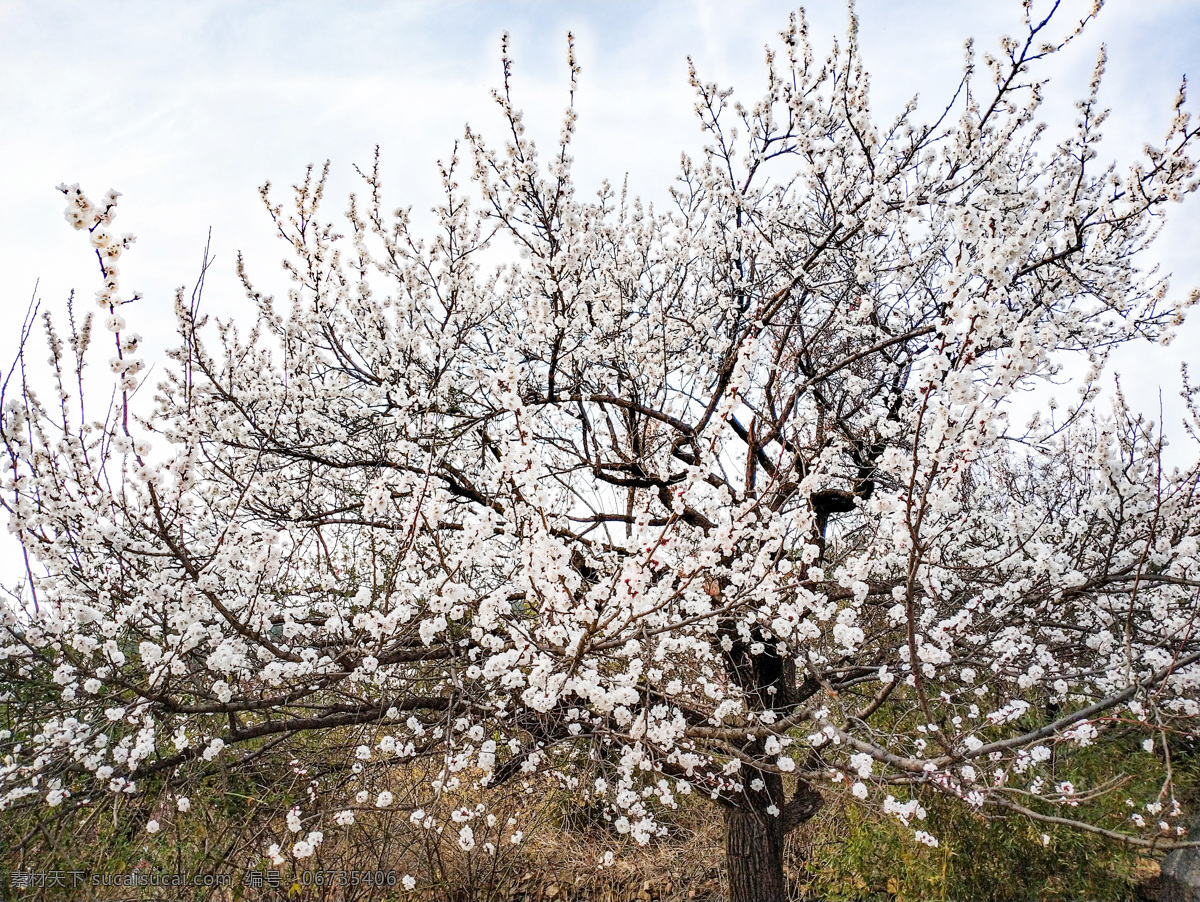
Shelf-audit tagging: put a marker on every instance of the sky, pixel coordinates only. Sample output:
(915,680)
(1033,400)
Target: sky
(187,106)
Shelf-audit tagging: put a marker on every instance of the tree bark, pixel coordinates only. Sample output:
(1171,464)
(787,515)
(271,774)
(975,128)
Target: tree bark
(754,856)
(758,819)
(754,837)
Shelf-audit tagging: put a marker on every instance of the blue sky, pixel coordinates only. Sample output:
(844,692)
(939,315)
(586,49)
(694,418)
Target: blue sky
(187,107)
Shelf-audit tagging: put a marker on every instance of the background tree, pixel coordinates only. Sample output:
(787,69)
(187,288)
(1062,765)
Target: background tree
(724,499)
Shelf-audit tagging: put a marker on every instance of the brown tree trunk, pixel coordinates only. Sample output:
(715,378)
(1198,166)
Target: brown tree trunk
(754,837)
(760,816)
(754,856)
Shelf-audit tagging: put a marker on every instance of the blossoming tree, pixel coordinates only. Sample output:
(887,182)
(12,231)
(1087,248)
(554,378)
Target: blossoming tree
(726,498)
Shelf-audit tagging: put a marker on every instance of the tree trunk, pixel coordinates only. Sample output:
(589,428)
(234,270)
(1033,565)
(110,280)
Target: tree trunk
(754,856)
(760,816)
(754,837)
